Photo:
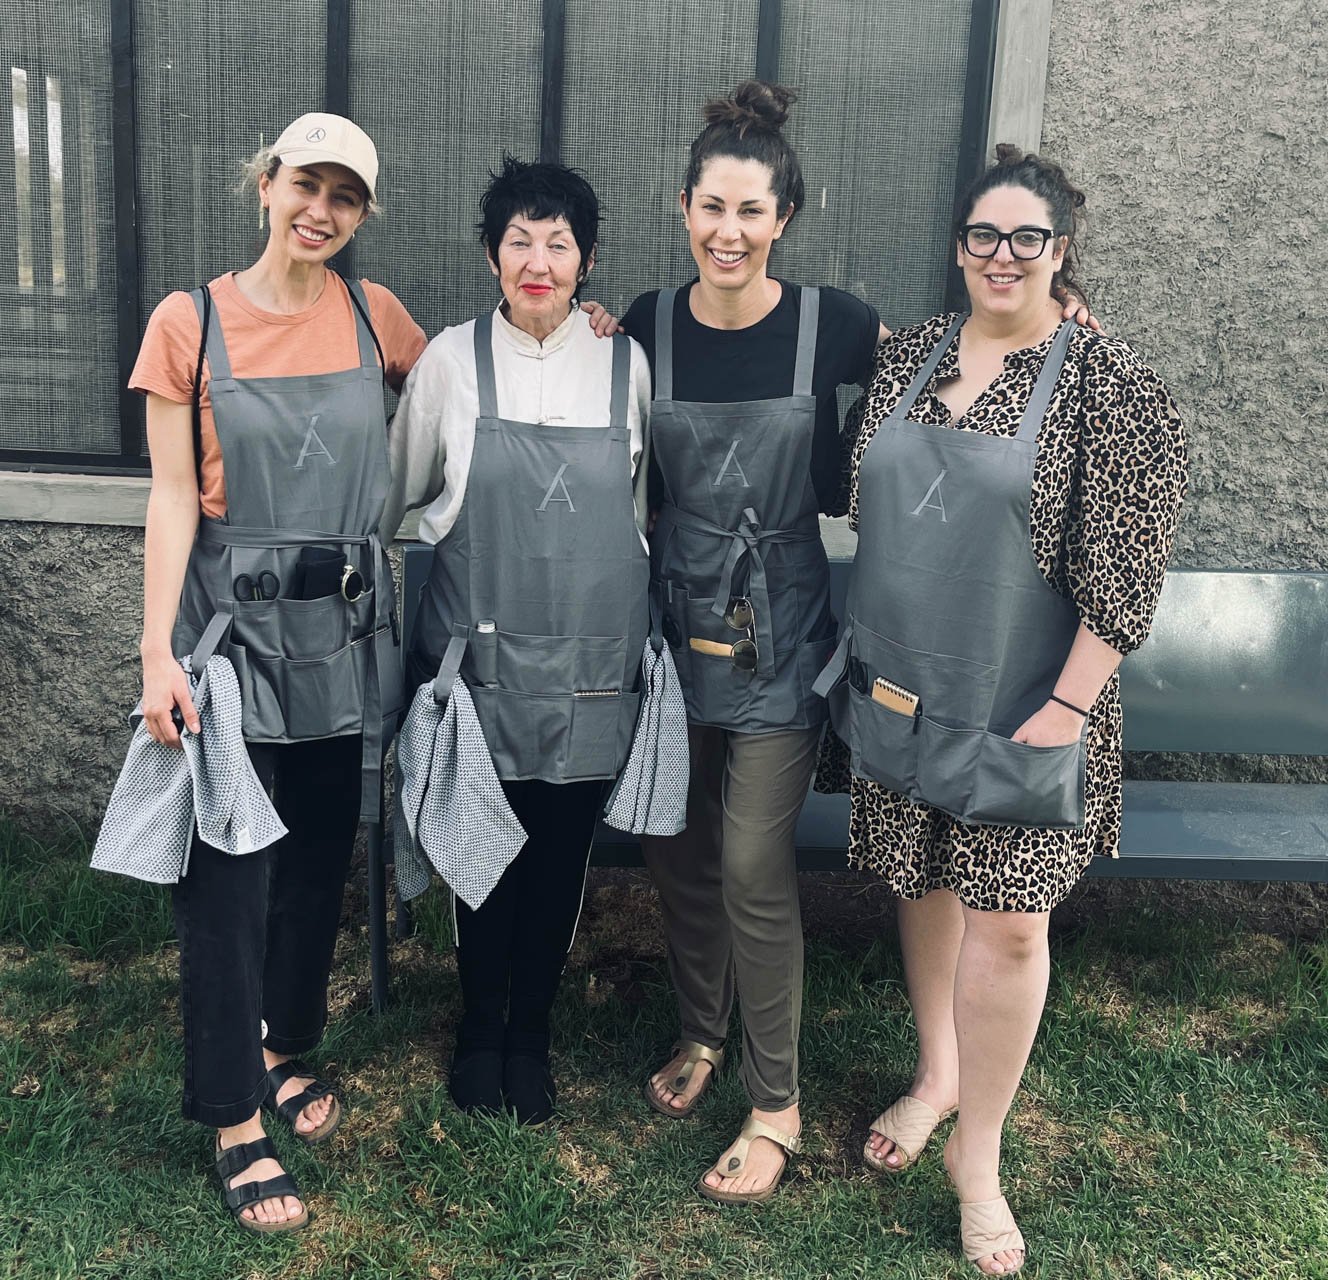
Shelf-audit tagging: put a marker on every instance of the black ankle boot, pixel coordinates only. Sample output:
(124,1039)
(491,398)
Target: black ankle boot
(528,1088)
(476,1079)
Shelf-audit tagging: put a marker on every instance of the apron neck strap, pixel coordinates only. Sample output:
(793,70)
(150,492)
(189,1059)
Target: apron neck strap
(219,363)
(484,375)
(1031,422)
(622,380)
(808,314)
(371,354)
(664,344)
(923,375)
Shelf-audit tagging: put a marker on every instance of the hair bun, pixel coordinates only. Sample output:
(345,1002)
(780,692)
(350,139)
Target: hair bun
(1008,154)
(754,104)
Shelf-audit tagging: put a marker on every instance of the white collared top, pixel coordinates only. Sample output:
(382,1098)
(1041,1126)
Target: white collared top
(563,381)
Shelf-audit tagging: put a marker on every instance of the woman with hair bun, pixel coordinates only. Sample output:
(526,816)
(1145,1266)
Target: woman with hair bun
(1015,486)
(747,452)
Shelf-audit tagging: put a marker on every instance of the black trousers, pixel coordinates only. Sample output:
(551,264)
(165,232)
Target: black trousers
(257,930)
(511,952)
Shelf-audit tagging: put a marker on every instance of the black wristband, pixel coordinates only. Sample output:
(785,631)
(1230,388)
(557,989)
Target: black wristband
(1071,706)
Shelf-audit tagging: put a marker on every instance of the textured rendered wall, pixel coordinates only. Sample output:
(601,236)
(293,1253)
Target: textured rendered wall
(1196,128)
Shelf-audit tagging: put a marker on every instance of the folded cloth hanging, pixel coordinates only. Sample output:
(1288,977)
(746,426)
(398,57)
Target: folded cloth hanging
(650,796)
(163,793)
(450,810)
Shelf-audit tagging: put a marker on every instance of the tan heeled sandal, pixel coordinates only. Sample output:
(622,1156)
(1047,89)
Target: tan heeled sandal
(909,1123)
(696,1053)
(987,1227)
(737,1162)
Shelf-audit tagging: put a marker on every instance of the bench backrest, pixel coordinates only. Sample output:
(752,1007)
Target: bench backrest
(1237,661)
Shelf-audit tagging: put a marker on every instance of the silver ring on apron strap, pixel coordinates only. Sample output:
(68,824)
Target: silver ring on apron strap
(953,637)
(737,544)
(311,449)
(537,596)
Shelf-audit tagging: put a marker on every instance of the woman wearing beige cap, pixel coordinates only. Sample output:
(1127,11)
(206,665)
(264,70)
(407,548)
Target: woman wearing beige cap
(269,470)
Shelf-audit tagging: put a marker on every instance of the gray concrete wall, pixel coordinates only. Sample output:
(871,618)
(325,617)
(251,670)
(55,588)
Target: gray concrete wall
(1196,130)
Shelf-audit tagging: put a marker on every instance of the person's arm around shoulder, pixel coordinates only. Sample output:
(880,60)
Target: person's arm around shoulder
(402,340)
(417,445)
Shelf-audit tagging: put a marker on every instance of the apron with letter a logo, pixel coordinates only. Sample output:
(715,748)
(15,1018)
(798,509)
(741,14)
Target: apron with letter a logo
(953,637)
(740,524)
(306,465)
(537,596)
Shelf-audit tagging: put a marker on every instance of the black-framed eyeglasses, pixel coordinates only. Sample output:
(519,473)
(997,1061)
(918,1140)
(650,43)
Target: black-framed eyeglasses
(740,616)
(983,240)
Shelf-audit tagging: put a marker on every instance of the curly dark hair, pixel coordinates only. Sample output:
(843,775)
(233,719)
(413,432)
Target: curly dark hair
(747,124)
(1046,180)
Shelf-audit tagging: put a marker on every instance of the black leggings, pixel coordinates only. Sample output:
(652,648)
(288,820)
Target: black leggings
(511,951)
(257,930)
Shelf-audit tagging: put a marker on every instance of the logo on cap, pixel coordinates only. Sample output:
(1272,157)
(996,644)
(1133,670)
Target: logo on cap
(315,135)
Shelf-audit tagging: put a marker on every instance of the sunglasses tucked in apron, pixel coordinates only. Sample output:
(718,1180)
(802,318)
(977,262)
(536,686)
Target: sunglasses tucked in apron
(738,542)
(537,595)
(306,465)
(947,605)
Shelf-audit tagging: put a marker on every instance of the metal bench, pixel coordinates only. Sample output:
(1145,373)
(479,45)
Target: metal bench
(1237,664)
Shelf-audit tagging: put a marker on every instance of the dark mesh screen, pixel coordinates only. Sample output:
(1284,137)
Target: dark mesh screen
(205,104)
(441,89)
(877,130)
(636,78)
(57,247)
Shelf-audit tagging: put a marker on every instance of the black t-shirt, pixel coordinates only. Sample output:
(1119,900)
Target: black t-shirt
(756,363)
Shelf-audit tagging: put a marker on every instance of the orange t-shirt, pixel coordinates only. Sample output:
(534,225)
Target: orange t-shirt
(261,344)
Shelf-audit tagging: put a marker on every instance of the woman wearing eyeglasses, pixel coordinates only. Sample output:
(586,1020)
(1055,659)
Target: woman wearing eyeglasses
(1016,485)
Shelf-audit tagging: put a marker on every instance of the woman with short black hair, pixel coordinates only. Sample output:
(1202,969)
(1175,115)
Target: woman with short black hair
(521,435)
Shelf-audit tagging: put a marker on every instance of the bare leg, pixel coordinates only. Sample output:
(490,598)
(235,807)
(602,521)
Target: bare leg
(1000,991)
(931,930)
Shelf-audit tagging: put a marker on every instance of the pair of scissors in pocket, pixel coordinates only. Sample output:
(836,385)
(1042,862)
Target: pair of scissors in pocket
(265,586)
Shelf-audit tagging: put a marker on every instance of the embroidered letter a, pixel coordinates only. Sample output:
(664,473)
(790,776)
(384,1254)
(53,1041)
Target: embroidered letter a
(313,445)
(927,504)
(555,485)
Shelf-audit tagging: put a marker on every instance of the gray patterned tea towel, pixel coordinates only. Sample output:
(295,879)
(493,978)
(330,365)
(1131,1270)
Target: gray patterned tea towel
(650,796)
(163,792)
(450,810)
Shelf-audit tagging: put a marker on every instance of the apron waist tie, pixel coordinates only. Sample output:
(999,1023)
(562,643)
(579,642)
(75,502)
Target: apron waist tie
(745,545)
(833,671)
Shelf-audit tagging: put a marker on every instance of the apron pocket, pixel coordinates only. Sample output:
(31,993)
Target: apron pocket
(562,664)
(952,691)
(261,717)
(1019,785)
(602,729)
(947,760)
(883,745)
(324,697)
(527,733)
(304,630)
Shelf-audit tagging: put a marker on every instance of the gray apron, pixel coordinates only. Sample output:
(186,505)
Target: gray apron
(946,602)
(537,596)
(306,465)
(740,519)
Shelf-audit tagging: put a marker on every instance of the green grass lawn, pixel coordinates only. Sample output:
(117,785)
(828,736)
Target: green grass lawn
(1173,1122)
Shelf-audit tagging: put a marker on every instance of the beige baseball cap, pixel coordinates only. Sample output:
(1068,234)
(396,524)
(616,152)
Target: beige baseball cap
(320,138)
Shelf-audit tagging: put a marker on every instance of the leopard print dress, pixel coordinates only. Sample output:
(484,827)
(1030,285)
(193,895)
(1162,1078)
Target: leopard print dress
(1108,483)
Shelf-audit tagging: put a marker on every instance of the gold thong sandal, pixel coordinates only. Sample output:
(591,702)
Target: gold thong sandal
(987,1227)
(909,1123)
(737,1162)
(696,1053)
